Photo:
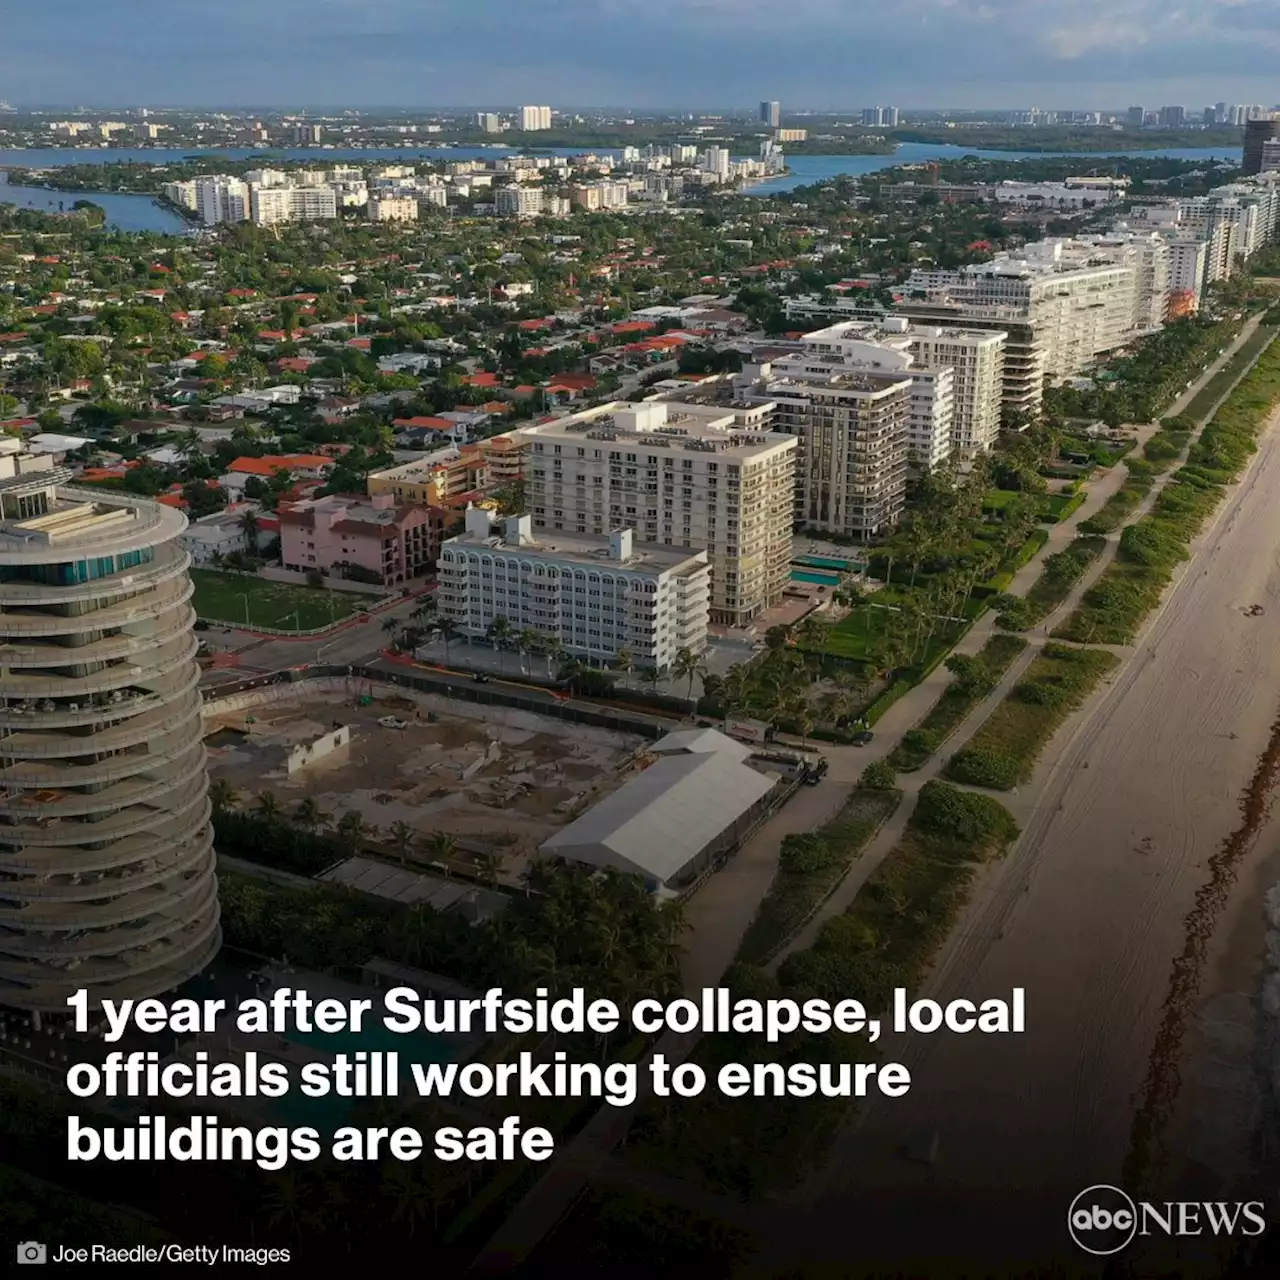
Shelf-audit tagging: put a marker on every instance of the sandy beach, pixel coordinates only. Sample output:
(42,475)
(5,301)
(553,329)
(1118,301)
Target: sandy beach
(1087,914)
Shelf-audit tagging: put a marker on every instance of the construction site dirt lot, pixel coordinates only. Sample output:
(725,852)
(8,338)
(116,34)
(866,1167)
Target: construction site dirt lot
(497,779)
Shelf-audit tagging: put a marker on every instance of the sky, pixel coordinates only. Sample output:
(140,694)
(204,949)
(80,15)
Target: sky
(694,54)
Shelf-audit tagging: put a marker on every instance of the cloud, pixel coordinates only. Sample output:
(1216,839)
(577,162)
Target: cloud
(642,53)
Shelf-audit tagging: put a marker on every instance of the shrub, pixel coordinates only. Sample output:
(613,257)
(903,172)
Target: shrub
(976,677)
(895,926)
(812,864)
(1003,752)
(879,775)
(962,816)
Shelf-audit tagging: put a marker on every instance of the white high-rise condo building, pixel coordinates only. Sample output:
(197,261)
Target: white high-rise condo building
(1062,303)
(534,118)
(1188,256)
(861,409)
(715,160)
(292,204)
(709,477)
(393,209)
(106,853)
(519,201)
(488,121)
(222,199)
(595,594)
(183,194)
(771,114)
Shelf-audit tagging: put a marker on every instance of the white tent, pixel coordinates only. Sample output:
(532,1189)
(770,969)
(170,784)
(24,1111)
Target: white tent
(664,820)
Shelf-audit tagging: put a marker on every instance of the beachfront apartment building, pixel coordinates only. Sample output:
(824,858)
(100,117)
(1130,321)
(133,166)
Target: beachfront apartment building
(1062,304)
(852,423)
(107,868)
(1188,256)
(184,194)
(710,477)
(957,378)
(385,542)
(594,595)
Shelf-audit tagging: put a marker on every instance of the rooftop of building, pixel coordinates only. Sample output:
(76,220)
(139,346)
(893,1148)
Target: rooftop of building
(596,550)
(66,520)
(357,514)
(895,331)
(733,430)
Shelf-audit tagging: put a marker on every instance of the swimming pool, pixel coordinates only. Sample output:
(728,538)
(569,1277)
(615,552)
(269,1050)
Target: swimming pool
(822,579)
(827,562)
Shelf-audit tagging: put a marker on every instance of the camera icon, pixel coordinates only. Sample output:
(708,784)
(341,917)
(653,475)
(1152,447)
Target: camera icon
(31,1252)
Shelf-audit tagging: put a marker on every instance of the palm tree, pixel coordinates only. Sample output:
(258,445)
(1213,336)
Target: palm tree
(352,828)
(223,796)
(689,666)
(308,815)
(268,805)
(441,847)
(571,673)
(391,624)
(836,705)
(625,661)
(553,651)
(813,631)
(249,527)
(526,641)
(426,608)
(448,630)
(498,632)
(489,864)
(402,835)
(797,708)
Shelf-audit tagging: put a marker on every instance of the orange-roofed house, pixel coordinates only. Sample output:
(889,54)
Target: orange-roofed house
(300,466)
(480,380)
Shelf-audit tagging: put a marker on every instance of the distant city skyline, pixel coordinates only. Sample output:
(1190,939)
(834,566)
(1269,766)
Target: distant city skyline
(1056,54)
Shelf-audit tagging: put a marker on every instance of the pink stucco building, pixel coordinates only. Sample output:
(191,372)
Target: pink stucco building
(396,543)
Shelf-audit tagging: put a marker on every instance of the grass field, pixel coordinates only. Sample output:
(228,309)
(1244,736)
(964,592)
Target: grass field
(241,600)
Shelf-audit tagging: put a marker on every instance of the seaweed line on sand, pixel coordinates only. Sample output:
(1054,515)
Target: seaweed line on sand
(1164,1071)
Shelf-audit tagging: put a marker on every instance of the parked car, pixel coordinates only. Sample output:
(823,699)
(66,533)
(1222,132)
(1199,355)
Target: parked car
(863,737)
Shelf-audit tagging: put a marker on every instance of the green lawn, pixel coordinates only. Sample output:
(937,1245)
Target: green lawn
(239,598)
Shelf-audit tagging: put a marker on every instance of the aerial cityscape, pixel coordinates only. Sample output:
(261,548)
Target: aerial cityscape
(814,552)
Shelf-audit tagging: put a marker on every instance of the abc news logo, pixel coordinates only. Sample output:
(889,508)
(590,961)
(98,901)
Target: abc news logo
(1103,1220)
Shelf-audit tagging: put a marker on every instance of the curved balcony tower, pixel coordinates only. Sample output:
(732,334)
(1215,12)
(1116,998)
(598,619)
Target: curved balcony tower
(106,852)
